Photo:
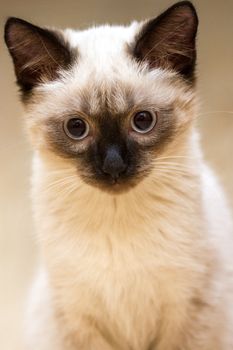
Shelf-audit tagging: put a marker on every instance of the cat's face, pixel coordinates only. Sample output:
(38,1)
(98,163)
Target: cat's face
(110,100)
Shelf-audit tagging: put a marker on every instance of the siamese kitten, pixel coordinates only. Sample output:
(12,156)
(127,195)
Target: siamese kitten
(134,232)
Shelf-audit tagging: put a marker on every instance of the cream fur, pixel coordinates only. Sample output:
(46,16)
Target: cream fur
(149,269)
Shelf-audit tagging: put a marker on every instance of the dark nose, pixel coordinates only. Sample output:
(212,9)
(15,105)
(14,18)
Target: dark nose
(113,164)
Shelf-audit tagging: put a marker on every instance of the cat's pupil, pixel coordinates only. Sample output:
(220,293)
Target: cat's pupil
(76,127)
(143,120)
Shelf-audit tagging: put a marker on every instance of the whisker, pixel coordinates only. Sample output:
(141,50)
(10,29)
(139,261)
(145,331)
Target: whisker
(174,171)
(174,157)
(173,163)
(61,171)
(60,182)
(214,112)
(167,179)
(71,190)
(68,190)
(63,179)
(171,166)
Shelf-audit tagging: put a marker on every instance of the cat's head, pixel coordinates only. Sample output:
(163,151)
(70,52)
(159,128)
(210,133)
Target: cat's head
(108,101)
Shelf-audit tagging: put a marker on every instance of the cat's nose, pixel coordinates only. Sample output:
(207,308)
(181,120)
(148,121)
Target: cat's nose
(114,164)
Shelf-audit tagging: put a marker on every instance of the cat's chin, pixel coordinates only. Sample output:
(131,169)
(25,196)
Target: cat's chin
(113,188)
(117,189)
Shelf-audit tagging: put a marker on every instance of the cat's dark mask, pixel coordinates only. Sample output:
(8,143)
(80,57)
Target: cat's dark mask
(117,149)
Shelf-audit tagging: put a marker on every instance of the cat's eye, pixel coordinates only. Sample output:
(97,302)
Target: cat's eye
(144,121)
(76,128)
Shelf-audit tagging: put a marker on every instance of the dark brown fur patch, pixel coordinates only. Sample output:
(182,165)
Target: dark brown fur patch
(38,54)
(168,41)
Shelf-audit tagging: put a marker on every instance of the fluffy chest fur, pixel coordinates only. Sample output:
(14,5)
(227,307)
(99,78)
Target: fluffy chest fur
(130,267)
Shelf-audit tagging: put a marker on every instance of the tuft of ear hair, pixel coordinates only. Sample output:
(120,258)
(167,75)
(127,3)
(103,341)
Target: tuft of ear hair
(38,54)
(169,41)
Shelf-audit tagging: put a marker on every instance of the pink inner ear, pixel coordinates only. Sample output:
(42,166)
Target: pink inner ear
(37,53)
(169,40)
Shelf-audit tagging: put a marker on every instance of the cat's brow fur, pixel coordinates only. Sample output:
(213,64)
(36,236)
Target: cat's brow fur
(148,267)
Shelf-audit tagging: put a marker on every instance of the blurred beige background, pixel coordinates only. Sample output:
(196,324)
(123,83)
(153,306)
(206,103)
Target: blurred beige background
(17,250)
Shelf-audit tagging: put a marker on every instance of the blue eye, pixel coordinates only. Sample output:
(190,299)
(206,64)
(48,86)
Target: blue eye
(76,128)
(144,121)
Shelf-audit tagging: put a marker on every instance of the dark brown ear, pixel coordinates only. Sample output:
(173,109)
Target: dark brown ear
(168,41)
(37,53)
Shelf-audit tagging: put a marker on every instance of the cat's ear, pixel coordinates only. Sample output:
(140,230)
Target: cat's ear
(37,53)
(168,41)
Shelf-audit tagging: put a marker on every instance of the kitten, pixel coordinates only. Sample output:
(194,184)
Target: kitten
(133,228)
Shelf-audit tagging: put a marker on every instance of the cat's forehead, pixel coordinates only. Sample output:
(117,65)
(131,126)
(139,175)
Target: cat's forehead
(101,40)
(103,53)
(93,91)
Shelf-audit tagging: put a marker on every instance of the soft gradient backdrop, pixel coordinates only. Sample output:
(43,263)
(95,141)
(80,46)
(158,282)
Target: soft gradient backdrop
(215,60)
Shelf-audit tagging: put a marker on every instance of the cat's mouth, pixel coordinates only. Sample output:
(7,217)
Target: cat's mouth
(118,186)
(116,173)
